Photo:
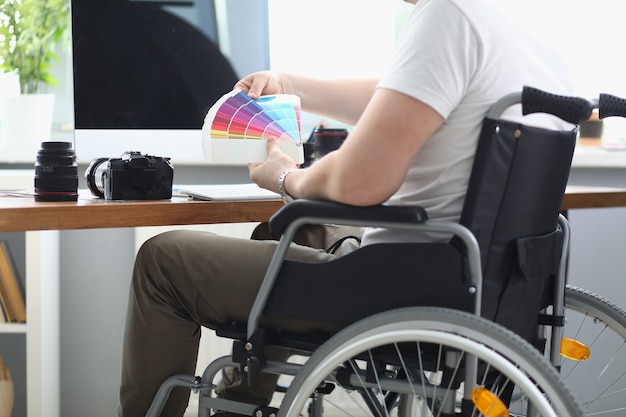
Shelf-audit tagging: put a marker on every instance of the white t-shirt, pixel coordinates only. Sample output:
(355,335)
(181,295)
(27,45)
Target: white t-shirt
(459,57)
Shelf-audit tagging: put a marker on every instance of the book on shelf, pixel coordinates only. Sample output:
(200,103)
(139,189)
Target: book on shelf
(3,312)
(11,294)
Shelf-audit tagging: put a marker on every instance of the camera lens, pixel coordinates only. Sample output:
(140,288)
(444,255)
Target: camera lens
(56,172)
(322,141)
(95,176)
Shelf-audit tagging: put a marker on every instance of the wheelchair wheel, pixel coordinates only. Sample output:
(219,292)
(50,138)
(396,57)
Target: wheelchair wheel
(598,328)
(413,362)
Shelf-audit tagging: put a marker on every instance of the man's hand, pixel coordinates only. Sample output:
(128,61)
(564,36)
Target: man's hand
(261,83)
(266,173)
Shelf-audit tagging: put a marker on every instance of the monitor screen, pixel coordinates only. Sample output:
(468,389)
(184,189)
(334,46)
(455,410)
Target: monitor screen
(146,73)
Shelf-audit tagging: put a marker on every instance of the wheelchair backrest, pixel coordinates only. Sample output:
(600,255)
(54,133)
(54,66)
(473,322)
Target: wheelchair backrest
(512,205)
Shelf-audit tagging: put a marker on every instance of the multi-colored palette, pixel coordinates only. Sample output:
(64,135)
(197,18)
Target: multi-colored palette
(237,126)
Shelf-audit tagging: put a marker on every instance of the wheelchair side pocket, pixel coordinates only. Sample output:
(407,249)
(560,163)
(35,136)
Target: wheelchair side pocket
(529,288)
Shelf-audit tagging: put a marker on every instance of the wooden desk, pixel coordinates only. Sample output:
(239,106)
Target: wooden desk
(22,214)
(583,197)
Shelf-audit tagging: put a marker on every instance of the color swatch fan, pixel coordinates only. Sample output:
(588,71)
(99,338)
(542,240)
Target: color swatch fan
(236,128)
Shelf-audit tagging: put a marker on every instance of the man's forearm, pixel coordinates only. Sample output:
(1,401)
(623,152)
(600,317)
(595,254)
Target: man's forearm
(340,99)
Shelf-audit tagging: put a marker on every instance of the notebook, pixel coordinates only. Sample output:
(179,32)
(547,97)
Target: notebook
(222,192)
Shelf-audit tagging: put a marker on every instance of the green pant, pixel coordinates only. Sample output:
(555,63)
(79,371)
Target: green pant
(183,280)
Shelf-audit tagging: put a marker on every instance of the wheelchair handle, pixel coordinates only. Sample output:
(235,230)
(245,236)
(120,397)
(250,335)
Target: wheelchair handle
(609,105)
(571,109)
(574,110)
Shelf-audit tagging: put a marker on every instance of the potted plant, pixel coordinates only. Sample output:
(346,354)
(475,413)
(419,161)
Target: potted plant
(30,31)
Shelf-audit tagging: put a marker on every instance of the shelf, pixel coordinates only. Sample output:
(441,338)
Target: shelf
(597,157)
(39,363)
(11,328)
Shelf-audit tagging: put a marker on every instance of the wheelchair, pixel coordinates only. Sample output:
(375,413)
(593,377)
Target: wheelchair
(468,327)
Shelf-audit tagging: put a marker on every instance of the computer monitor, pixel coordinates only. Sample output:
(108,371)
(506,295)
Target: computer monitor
(146,72)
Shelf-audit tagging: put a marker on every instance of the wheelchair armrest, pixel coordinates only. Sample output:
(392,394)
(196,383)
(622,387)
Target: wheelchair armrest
(335,212)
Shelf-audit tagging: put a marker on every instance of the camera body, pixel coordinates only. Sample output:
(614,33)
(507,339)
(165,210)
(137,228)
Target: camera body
(133,176)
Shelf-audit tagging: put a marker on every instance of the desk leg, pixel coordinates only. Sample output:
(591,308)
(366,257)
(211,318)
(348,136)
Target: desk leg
(42,334)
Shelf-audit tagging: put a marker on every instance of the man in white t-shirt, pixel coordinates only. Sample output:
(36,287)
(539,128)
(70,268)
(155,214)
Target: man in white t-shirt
(413,142)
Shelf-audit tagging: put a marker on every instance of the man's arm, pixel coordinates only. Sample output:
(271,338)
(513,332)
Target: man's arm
(370,165)
(340,99)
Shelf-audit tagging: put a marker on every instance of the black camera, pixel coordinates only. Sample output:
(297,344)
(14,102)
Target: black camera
(132,177)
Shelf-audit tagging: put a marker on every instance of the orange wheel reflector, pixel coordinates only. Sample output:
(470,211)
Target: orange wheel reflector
(488,403)
(574,350)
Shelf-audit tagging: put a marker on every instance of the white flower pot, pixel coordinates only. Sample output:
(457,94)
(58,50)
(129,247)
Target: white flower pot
(27,122)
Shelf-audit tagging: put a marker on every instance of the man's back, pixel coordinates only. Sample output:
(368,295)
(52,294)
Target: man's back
(459,57)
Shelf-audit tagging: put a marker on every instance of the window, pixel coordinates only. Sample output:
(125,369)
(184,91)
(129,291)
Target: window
(352,38)
(330,38)
(356,38)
